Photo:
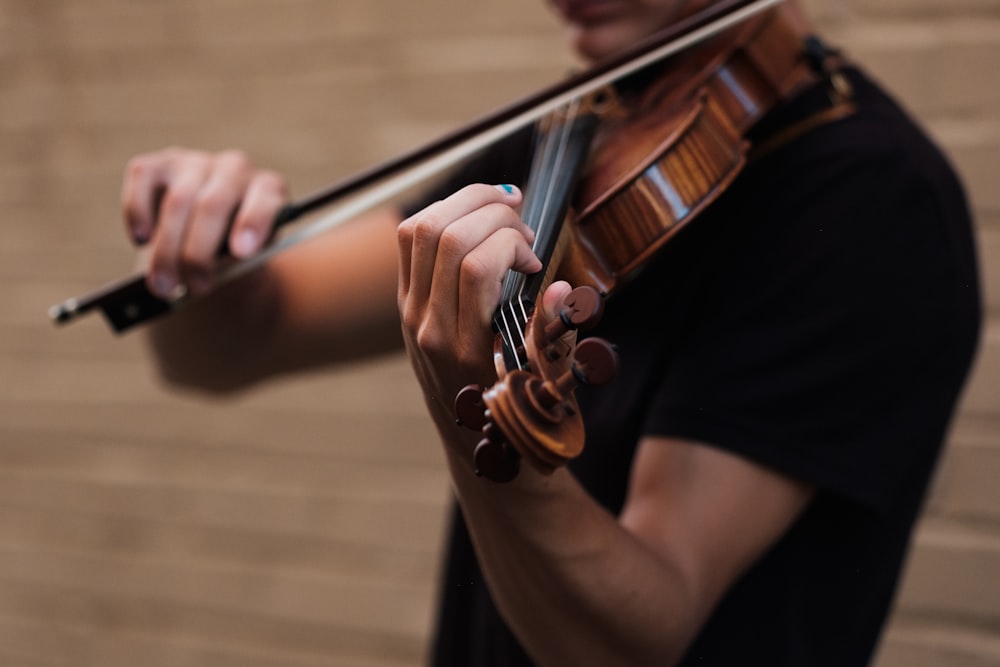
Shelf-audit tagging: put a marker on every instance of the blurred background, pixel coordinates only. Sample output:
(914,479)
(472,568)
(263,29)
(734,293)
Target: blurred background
(300,524)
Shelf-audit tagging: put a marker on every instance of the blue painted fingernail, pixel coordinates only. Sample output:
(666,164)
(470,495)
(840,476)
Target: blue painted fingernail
(509,189)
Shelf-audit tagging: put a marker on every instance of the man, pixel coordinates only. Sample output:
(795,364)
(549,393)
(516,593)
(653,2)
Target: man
(789,366)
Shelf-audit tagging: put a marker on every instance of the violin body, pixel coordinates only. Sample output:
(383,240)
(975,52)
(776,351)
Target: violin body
(679,147)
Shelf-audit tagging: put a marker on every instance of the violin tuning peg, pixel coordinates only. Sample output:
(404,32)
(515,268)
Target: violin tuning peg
(595,361)
(470,411)
(582,309)
(496,461)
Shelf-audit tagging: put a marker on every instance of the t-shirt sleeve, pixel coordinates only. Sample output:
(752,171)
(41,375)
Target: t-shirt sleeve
(836,328)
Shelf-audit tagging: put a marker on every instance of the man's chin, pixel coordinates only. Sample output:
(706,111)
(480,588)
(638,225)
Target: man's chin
(596,44)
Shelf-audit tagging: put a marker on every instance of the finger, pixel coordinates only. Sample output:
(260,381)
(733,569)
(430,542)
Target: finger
(480,279)
(212,211)
(405,237)
(460,237)
(456,261)
(553,299)
(265,196)
(145,176)
(174,217)
(419,235)
(404,241)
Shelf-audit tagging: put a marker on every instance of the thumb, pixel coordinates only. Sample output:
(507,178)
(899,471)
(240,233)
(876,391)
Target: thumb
(553,298)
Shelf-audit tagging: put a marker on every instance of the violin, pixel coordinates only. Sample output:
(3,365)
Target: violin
(621,167)
(654,159)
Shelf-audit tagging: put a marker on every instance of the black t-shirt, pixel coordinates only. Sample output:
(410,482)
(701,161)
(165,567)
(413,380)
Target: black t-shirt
(818,319)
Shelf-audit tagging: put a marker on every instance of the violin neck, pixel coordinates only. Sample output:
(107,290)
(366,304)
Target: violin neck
(561,151)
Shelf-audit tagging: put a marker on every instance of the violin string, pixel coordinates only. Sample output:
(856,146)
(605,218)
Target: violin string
(511,331)
(511,278)
(562,137)
(509,336)
(514,280)
(514,284)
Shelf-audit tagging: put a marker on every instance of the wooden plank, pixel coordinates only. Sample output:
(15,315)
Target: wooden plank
(25,526)
(179,593)
(966,482)
(954,571)
(141,640)
(229,465)
(357,431)
(385,387)
(924,643)
(389,524)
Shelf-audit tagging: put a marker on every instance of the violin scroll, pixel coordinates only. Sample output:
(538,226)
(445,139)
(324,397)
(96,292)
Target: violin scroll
(533,414)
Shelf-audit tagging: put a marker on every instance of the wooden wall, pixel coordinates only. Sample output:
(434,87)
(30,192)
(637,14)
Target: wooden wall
(300,524)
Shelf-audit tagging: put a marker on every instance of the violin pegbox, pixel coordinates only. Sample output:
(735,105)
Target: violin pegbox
(533,414)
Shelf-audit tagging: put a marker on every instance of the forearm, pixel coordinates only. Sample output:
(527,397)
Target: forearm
(326,301)
(573,584)
(214,342)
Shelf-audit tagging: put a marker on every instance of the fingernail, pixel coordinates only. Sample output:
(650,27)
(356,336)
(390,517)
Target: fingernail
(139,235)
(164,284)
(245,243)
(506,188)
